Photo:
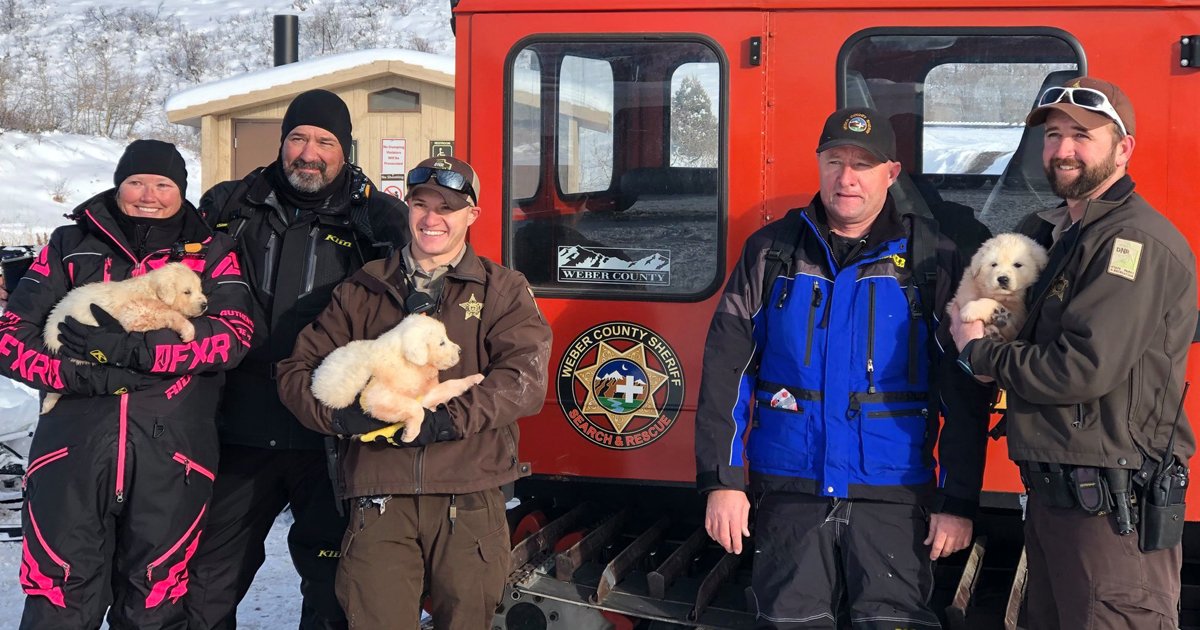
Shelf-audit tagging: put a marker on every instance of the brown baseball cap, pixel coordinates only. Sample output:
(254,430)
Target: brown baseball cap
(1089,117)
(451,177)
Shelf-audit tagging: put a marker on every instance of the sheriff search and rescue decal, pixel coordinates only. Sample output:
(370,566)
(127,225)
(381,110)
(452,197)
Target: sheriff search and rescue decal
(620,385)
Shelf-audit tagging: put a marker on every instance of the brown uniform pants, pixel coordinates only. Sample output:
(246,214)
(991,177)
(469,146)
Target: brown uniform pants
(390,556)
(1083,575)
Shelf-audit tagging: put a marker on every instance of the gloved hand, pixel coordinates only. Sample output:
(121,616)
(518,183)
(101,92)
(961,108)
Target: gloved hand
(102,380)
(107,342)
(352,421)
(437,427)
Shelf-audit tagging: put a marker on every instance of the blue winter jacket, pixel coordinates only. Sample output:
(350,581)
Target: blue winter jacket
(831,374)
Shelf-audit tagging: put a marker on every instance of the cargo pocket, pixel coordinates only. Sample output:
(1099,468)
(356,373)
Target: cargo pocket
(779,439)
(893,440)
(1143,607)
(44,572)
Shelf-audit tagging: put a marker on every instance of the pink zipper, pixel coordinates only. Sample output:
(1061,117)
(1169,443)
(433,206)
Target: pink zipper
(153,565)
(42,461)
(189,465)
(123,429)
(50,552)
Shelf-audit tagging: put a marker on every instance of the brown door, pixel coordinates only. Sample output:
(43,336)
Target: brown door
(255,144)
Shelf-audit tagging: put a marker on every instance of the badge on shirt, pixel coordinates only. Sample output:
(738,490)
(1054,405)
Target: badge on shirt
(473,308)
(1123,262)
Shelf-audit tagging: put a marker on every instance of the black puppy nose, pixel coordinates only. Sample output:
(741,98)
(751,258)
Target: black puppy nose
(1003,280)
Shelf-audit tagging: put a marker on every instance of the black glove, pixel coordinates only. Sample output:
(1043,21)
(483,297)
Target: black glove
(352,421)
(101,380)
(437,427)
(107,342)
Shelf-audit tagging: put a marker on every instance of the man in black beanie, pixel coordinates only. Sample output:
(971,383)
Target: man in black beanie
(303,224)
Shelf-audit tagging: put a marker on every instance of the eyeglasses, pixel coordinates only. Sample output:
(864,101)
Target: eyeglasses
(448,179)
(1087,98)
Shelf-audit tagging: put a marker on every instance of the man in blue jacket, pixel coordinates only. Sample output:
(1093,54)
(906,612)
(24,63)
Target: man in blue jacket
(832,359)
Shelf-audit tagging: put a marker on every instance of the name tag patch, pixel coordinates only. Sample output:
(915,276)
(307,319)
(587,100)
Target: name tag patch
(1125,257)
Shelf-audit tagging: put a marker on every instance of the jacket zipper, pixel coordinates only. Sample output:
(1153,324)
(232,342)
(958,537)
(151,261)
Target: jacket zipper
(55,558)
(1078,416)
(122,431)
(418,462)
(310,266)
(871,339)
(189,465)
(163,558)
(52,456)
(511,444)
(269,264)
(898,413)
(812,316)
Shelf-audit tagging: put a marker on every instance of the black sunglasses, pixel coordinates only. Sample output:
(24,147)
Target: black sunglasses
(448,179)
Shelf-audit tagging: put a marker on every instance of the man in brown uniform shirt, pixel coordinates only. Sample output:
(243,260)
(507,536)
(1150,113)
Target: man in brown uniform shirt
(431,511)
(1095,377)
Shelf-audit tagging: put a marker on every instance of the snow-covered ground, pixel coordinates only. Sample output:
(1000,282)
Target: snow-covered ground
(45,175)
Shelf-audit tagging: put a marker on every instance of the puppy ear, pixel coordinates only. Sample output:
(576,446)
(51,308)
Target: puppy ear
(414,343)
(164,288)
(1040,258)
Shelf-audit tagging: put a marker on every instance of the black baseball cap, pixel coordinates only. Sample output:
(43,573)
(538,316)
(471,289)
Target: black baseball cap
(860,127)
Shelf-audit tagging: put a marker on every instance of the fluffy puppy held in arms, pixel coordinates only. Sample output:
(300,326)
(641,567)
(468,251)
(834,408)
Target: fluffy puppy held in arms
(163,298)
(394,377)
(994,284)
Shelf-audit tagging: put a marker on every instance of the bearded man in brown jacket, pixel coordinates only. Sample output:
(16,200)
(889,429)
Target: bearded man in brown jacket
(430,511)
(1095,377)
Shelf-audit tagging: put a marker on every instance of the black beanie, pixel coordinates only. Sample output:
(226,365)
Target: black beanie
(152,157)
(320,108)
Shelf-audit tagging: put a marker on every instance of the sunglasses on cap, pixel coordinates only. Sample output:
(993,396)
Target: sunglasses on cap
(1087,98)
(444,178)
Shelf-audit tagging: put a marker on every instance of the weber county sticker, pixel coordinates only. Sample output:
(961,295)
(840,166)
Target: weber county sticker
(620,385)
(611,265)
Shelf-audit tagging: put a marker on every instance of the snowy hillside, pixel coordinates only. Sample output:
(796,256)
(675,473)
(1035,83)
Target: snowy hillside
(79,78)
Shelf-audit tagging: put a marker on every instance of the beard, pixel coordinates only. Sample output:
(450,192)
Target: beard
(1087,180)
(307,182)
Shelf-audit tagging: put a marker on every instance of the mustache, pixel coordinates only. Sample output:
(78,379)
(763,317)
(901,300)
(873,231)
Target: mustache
(318,164)
(1057,162)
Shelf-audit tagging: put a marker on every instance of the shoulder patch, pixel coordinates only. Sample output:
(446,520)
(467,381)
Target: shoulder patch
(1124,259)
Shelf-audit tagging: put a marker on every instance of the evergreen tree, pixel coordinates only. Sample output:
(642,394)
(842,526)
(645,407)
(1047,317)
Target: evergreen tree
(693,126)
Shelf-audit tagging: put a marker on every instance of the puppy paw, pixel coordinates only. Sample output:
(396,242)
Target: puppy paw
(991,331)
(412,429)
(1001,317)
(187,331)
(978,310)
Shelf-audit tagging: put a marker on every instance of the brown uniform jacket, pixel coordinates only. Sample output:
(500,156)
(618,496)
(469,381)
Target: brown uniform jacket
(488,310)
(1095,376)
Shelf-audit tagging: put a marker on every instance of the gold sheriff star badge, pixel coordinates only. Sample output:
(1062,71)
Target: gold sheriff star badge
(473,308)
(633,392)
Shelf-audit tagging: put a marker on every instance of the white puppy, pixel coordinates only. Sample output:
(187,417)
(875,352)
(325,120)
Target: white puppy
(397,375)
(163,298)
(993,286)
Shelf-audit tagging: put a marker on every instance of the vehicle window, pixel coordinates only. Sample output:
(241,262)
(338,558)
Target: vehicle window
(525,145)
(958,103)
(585,125)
(614,169)
(694,115)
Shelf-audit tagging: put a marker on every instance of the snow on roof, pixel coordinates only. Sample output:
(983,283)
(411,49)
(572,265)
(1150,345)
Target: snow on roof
(301,70)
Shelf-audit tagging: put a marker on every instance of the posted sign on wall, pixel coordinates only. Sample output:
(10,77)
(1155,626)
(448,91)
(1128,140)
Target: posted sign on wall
(392,154)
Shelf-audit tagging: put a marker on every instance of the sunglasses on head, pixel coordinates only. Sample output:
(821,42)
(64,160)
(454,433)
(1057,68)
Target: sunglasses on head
(1087,98)
(444,178)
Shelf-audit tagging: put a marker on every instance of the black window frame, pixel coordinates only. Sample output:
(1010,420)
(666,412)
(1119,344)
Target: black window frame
(597,292)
